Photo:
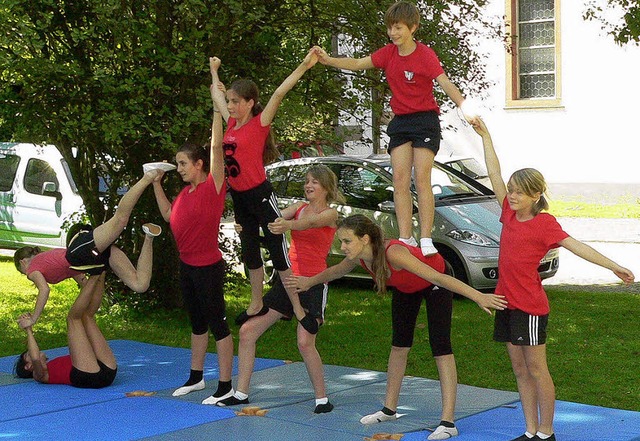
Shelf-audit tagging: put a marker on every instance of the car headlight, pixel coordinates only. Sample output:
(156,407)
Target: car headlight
(472,237)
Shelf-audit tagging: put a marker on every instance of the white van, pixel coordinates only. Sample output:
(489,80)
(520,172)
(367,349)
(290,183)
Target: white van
(37,194)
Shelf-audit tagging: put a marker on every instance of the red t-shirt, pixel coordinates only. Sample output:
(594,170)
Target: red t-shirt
(406,281)
(59,370)
(410,77)
(243,150)
(522,246)
(309,248)
(53,265)
(195,223)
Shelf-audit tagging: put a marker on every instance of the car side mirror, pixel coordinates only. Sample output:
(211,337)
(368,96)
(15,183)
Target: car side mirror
(387,206)
(50,189)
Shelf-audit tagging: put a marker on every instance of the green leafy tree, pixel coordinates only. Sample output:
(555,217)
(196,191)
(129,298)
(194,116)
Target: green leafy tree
(620,18)
(117,83)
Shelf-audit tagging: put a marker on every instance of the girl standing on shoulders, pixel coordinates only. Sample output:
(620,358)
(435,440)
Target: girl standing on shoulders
(527,234)
(194,218)
(248,146)
(412,277)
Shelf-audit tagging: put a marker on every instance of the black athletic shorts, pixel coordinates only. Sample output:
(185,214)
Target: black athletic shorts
(93,380)
(520,328)
(313,301)
(83,255)
(421,129)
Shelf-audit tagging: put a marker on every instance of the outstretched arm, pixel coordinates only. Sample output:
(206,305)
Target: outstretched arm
(271,108)
(399,257)
(164,205)
(43,295)
(301,283)
(583,250)
(281,225)
(217,157)
(491,159)
(343,62)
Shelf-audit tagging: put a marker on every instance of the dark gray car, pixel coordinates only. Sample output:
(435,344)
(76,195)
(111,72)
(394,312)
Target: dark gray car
(466,228)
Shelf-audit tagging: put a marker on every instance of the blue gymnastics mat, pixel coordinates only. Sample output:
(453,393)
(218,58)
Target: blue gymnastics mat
(31,411)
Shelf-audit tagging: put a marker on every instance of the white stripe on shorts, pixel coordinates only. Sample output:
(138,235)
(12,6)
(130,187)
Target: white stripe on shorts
(533,330)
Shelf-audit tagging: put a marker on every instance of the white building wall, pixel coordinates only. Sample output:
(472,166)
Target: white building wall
(594,138)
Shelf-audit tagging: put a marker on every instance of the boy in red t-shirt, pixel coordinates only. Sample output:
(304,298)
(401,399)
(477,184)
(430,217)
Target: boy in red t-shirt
(414,132)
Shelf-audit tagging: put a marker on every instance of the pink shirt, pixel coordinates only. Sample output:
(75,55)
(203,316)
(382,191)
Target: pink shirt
(195,223)
(405,281)
(309,248)
(53,265)
(522,246)
(243,149)
(410,77)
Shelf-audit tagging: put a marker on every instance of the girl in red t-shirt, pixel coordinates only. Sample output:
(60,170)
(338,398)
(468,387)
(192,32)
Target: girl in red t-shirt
(527,234)
(248,145)
(412,277)
(194,218)
(312,225)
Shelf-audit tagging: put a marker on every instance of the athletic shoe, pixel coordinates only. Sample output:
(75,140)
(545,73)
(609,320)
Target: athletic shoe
(214,400)
(323,408)
(243,316)
(443,432)
(152,230)
(188,389)
(232,401)
(378,417)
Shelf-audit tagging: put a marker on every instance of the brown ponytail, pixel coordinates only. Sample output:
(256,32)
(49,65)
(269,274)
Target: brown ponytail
(24,253)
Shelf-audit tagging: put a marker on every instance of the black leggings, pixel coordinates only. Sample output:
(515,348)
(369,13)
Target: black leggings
(202,291)
(404,313)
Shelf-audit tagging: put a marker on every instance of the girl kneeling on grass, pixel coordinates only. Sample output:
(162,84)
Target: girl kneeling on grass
(412,277)
(527,235)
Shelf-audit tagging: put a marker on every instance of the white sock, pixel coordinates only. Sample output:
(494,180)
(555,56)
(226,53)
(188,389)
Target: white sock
(409,241)
(529,434)
(426,245)
(320,401)
(240,395)
(543,435)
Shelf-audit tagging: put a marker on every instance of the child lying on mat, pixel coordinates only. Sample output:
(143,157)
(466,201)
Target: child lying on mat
(90,363)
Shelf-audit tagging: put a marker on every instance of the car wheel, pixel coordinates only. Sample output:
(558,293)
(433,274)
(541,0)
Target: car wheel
(453,265)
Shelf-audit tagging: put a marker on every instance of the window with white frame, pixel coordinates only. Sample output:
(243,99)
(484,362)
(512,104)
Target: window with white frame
(533,67)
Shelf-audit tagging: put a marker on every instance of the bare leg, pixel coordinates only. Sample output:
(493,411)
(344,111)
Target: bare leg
(402,163)
(395,373)
(136,278)
(104,235)
(536,360)
(101,348)
(256,278)
(526,387)
(298,311)
(199,346)
(80,349)
(249,334)
(423,164)
(448,375)
(224,348)
(312,360)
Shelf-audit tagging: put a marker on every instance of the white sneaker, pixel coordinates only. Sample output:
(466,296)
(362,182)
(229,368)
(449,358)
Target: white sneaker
(188,389)
(378,417)
(152,230)
(426,245)
(443,432)
(410,241)
(214,400)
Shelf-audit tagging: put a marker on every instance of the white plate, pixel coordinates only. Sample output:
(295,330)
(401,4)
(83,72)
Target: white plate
(158,165)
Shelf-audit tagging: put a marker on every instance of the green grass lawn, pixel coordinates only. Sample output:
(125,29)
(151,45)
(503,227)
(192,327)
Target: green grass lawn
(593,348)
